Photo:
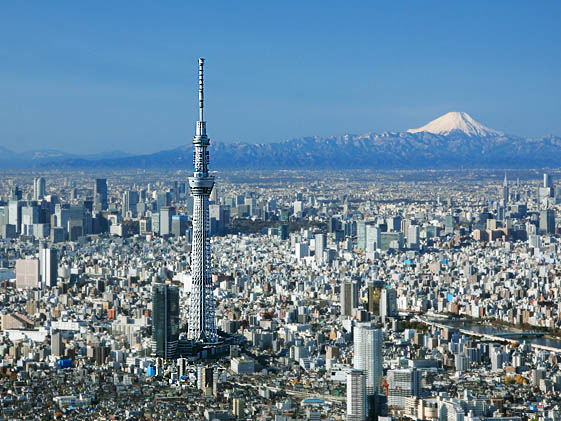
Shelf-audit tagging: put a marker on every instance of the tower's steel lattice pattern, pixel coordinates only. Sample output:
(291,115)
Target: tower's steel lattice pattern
(202,325)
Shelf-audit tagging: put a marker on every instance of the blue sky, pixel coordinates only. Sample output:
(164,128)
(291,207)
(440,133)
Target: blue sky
(85,77)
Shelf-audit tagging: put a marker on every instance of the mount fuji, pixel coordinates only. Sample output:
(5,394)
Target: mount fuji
(451,141)
(456,121)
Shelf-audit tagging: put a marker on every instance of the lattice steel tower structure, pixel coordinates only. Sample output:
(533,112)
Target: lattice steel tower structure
(202,325)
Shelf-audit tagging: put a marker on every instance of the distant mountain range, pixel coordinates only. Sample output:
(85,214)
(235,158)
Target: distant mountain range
(451,141)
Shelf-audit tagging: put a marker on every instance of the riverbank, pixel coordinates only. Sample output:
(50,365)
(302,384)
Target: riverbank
(486,328)
(554,334)
(548,333)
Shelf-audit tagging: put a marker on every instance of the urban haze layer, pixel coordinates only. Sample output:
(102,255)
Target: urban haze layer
(287,295)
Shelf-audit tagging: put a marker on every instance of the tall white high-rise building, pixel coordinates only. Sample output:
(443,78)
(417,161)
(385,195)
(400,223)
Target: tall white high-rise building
(547,181)
(413,237)
(373,237)
(301,250)
(48,266)
(39,188)
(320,246)
(368,354)
(202,323)
(357,408)
(388,303)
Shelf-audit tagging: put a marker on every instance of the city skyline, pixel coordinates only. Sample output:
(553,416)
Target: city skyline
(391,293)
(74,68)
(400,274)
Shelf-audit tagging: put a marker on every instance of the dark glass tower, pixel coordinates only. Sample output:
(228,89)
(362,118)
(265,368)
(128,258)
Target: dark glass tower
(100,192)
(165,320)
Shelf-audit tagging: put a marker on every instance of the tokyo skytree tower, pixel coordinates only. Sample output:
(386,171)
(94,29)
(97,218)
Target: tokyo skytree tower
(202,325)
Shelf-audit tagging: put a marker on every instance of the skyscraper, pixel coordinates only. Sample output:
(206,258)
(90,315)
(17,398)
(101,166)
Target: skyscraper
(368,354)
(100,193)
(57,346)
(361,235)
(165,320)
(506,192)
(163,199)
(547,221)
(166,215)
(388,303)
(321,245)
(39,188)
(547,181)
(16,193)
(349,298)
(48,266)
(178,225)
(373,237)
(356,396)
(202,324)
(130,200)
(413,237)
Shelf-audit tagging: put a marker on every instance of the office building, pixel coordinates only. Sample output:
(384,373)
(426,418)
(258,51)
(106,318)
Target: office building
(219,218)
(388,303)
(163,200)
(155,222)
(547,181)
(506,191)
(394,223)
(165,320)
(39,188)
(100,193)
(373,236)
(49,266)
(178,225)
(320,246)
(301,250)
(547,221)
(349,298)
(16,193)
(129,203)
(361,235)
(207,384)
(391,241)
(57,346)
(14,214)
(166,215)
(413,241)
(373,297)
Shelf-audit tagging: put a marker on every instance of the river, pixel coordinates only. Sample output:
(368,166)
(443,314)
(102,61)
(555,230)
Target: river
(492,330)
(6,274)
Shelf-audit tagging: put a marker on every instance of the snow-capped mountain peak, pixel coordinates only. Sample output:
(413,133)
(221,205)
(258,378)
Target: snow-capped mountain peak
(452,121)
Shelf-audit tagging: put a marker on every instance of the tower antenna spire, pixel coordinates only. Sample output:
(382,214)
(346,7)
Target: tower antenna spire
(201,88)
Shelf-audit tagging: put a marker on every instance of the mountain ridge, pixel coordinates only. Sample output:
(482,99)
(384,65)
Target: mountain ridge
(459,141)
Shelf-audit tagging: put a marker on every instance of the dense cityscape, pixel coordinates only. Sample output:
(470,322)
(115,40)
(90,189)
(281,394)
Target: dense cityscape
(338,295)
(350,212)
